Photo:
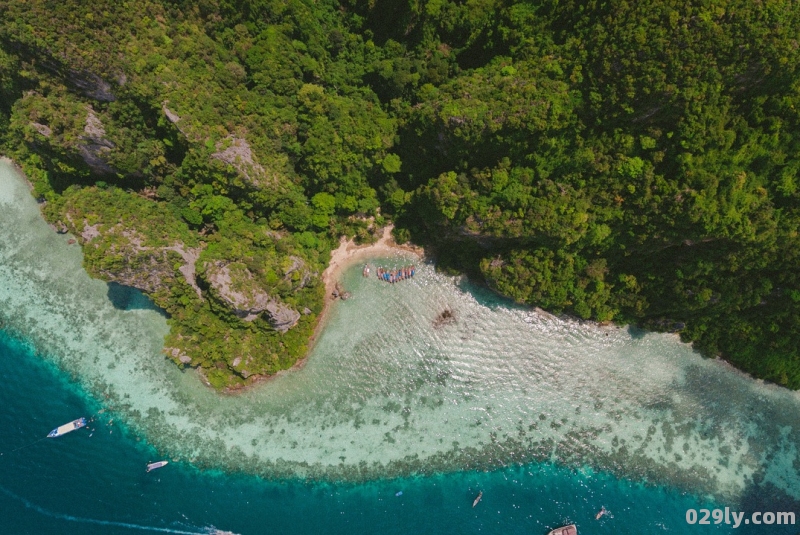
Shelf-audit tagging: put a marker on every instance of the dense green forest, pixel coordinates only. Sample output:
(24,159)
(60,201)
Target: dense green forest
(621,161)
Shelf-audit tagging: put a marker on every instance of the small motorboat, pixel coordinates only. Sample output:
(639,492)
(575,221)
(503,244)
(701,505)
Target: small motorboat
(600,513)
(153,466)
(565,530)
(67,428)
(477,499)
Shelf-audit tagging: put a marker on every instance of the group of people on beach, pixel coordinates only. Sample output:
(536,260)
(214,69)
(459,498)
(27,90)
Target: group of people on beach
(393,275)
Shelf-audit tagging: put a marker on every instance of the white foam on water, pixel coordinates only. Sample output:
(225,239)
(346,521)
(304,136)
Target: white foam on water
(206,530)
(387,393)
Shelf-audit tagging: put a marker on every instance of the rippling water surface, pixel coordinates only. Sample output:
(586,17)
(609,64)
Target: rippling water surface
(388,394)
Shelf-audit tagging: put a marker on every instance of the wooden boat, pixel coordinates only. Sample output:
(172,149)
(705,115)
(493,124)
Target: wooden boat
(159,464)
(477,499)
(565,530)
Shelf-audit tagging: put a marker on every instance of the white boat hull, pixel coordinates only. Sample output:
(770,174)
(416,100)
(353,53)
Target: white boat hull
(159,464)
(67,428)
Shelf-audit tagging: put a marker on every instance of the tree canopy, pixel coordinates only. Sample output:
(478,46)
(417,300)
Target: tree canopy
(618,161)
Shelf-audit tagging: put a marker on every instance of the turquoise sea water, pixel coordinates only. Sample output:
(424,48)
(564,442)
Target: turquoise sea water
(550,418)
(97,484)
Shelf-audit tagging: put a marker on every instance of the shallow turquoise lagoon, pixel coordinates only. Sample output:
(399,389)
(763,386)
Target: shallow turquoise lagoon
(549,417)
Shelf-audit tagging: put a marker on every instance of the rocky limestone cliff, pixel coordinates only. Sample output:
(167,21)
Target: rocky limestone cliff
(95,147)
(128,262)
(236,152)
(235,286)
(91,85)
(175,119)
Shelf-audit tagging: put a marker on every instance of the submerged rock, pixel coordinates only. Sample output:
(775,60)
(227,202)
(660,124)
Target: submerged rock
(445,317)
(340,293)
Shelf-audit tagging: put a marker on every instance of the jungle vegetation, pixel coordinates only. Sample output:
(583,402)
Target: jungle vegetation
(622,161)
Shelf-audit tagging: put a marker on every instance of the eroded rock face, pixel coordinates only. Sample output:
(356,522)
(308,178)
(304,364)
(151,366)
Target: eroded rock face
(150,269)
(281,316)
(234,285)
(43,129)
(175,119)
(96,147)
(298,266)
(152,272)
(91,85)
(237,153)
(176,353)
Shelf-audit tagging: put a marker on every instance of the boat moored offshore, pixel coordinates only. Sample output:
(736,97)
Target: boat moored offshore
(153,466)
(477,499)
(565,530)
(67,428)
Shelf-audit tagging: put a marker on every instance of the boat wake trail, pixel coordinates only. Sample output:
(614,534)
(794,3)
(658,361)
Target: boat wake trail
(24,446)
(60,516)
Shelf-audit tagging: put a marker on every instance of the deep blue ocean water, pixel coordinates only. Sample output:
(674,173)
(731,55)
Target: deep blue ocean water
(93,481)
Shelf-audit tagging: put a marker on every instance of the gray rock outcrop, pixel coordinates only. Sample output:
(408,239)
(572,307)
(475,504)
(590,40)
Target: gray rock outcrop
(235,286)
(90,85)
(237,153)
(96,147)
(281,316)
(43,129)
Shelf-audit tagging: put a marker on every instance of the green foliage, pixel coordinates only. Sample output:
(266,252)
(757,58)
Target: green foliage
(391,163)
(628,161)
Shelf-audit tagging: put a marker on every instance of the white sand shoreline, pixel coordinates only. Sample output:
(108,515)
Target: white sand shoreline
(348,253)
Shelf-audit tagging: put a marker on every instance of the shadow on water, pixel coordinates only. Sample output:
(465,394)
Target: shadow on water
(488,297)
(493,300)
(636,332)
(128,298)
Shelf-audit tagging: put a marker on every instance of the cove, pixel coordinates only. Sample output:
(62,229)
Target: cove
(386,394)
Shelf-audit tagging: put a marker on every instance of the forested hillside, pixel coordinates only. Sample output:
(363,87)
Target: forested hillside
(619,161)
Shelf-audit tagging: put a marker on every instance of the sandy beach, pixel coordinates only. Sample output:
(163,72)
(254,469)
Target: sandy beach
(348,253)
